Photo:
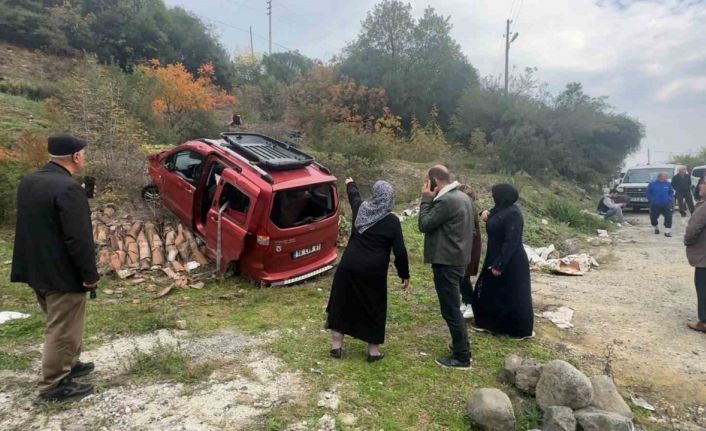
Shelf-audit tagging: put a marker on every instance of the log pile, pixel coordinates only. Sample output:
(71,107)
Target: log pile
(128,246)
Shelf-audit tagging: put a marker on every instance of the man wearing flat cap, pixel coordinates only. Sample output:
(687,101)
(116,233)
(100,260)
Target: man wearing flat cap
(55,255)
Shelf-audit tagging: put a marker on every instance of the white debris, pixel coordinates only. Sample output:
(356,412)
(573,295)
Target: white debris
(641,402)
(561,317)
(545,221)
(538,256)
(602,233)
(6,316)
(190,266)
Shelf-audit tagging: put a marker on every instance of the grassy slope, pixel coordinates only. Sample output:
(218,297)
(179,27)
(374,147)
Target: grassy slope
(15,112)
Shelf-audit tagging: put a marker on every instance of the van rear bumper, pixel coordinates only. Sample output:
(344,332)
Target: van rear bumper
(292,276)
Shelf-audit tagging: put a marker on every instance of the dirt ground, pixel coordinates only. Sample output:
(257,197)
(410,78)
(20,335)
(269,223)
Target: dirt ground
(633,310)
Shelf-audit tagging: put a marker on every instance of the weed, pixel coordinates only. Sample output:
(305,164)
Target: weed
(16,361)
(166,362)
(564,211)
(530,417)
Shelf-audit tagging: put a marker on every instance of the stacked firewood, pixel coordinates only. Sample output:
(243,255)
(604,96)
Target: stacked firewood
(127,245)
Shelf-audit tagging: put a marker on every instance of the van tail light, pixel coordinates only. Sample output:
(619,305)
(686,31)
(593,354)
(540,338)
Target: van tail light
(263,240)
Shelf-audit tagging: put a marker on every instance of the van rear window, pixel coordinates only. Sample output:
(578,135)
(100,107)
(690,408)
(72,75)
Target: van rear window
(299,207)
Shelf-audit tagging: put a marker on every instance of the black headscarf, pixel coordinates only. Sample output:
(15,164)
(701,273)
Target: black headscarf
(504,195)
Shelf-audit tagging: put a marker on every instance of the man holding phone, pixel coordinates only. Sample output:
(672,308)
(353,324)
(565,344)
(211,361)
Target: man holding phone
(54,254)
(446,219)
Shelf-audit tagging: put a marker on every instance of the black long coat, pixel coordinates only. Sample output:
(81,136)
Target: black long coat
(358,302)
(503,305)
(54,249)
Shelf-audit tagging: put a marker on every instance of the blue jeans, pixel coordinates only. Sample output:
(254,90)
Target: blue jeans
(447,280)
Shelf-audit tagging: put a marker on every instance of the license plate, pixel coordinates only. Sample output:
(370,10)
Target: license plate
(638,199)
(306,251)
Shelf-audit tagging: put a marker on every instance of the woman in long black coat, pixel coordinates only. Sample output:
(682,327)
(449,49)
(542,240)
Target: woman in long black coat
(358,302)
(502,299)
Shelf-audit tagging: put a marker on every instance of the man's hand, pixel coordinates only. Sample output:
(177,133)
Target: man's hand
(484,216)
(495,272)
(349,180)
(405,284)
(427,192)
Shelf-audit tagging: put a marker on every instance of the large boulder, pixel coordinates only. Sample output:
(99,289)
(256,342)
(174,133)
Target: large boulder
(606,397)
(491,409)
(527,375)
(592,419)
(559,418)
(563,385)
(507,374)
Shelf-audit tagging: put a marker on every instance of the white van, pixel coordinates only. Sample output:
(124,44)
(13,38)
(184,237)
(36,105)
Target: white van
(635,182)
(697,173)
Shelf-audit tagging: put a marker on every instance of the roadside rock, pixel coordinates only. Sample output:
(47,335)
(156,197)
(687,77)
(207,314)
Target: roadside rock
(326,423)
(527,376)
(606,397)
(559,419)
(507,374)
(592,419)
(563,385)
(491,409)
(329,400)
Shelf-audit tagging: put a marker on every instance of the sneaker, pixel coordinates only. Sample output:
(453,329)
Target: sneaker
(463,307)
(468,312)
(668,234)
(656,231)
(453,363)
(67,391)
(81,369)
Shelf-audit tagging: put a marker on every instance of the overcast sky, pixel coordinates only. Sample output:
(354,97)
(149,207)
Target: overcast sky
(648,56)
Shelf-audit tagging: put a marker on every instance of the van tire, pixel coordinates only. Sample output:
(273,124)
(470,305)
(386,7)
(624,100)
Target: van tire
(150,194)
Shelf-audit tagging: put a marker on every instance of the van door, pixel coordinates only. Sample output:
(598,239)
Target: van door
(180,180)
(238,196)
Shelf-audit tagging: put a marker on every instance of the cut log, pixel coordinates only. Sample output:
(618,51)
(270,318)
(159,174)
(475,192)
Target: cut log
(178,267)
(172,250)
(144,248)
(101,236)
(156,246)
(117,260)
(133,251)
(135,230)
(195,252)
(181,244)
(104,257)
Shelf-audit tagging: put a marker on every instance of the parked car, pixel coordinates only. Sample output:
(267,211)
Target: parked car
(259,205)
(697,172)
(633,187)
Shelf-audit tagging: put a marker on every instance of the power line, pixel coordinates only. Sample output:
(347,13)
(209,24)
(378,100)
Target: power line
(225,24)
(519,9)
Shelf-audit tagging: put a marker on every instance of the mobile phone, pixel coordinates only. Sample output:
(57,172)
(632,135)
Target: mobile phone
(432,184)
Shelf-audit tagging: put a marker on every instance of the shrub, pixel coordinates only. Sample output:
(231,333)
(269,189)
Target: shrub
(564,211)
(11,172)
(31,149)
(342,139)
(28,90)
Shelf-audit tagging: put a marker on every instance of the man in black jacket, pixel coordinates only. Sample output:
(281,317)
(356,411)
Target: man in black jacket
(54,254)
(681,183)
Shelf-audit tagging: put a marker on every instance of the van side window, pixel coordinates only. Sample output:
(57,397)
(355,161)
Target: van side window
(238,202)
(187,164)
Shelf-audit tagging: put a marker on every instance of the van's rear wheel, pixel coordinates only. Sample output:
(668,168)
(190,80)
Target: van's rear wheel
(151,196)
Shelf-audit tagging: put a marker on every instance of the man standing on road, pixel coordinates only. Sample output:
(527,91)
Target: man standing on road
(681,183)
(54,254)
(446,219)
(660,195)
(695,241)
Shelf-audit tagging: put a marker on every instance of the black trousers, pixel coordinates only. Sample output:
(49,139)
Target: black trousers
(466,290)
(700,282)
(685,200)
(447,280)
(663,210)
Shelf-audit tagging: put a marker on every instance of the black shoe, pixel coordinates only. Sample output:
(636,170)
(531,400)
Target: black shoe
(454,363)
(656,231)
(668,234)
(67,391)
(375,358)
(336,353)
(81,369)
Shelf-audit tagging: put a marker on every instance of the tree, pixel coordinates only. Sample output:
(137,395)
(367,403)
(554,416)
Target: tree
(286,66)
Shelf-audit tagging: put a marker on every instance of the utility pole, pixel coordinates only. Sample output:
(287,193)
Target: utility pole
(508,41)
(269,14)
(648,155)
(252,50)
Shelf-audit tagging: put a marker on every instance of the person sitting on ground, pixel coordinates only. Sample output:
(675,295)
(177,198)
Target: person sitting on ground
(502,299)
(358,302)
(660,195)
(608,208)
(472,268)
(695,241)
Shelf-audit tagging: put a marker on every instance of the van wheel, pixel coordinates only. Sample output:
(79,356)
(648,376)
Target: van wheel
(150,194)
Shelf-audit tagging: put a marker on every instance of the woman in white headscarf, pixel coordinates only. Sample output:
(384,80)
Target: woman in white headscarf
(358,302)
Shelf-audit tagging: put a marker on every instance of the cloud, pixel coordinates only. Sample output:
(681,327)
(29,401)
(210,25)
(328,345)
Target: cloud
(691,86)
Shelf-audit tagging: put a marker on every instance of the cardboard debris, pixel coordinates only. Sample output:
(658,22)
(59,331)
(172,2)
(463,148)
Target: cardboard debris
(164,291)
(573,264)
(642,403)
(539,255)
(6,316)
(561,317)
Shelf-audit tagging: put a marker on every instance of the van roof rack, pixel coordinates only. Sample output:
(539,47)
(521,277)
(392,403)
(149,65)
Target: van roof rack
(266,152)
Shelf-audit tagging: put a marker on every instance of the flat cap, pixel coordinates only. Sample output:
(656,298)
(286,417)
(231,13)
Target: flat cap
(64,145)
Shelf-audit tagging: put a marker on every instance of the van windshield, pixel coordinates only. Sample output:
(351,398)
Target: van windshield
(644,175)
(299,207)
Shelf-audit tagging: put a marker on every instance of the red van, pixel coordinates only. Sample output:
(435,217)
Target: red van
(259,205)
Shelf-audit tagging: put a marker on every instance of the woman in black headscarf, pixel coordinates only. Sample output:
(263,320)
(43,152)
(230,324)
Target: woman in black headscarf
(358,302)
(502,299)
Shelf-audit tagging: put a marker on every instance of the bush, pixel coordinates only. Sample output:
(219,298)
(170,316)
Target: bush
(28,90)
(11,172)
(564,211)
(342,139)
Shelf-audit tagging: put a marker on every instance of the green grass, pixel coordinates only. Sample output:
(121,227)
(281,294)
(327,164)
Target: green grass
(166,363)
(15,114)
(15,361)
(565,211)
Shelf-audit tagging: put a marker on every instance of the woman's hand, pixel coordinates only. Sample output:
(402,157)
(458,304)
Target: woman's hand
(495,272)
(349,180)
(484,216)
(405,284)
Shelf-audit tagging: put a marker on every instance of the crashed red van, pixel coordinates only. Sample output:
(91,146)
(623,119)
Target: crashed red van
(260,206)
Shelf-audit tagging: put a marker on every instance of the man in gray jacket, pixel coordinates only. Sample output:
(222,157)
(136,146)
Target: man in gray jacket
(695,241)
(446,219)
